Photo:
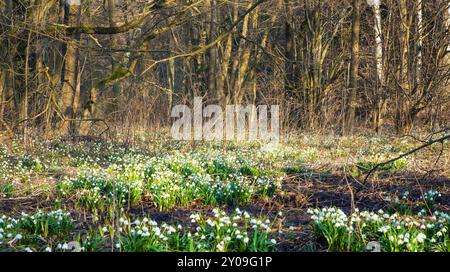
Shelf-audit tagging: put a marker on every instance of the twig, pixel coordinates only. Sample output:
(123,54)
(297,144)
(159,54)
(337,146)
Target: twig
(352,195)
(440,140)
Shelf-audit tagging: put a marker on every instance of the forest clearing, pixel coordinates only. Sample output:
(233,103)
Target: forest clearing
(169,196)
(225,126)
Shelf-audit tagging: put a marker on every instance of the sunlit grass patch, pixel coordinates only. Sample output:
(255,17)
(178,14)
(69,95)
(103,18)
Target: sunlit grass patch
(364,167)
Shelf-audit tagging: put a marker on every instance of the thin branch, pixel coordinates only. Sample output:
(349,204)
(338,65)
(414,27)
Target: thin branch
(440,140)
(213,43)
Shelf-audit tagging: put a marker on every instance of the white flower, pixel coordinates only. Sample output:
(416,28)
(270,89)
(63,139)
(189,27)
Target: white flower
(384,229)
(105,229)
(246,240)
(48,249)
(273,241)
(220,246)
(18,236)
(421,237)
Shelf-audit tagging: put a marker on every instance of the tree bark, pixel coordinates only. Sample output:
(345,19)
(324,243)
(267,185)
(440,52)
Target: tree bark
(212,52)
(70,70)
(354,64)
(116,88)
(289,50)
(223,82)
(377,114)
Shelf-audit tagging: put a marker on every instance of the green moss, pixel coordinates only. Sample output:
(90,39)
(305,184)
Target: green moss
(119,73)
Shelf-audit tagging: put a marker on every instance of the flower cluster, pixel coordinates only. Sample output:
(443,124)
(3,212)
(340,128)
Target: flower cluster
(395,232)
(238,232)
(31,232)
(48,232)
(172,180)
(46,223)
(430,198)
(235,232)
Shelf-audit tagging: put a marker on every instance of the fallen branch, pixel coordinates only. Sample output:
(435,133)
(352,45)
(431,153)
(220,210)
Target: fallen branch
(429,143)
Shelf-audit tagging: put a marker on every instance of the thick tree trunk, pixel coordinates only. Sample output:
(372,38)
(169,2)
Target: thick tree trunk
(239,59)
(240,84)
(116,88)
(70,70)
(223,83)
(354,64)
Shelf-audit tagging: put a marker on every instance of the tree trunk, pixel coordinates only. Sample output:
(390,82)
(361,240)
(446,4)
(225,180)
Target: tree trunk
(289,50)
(212,52)
(377,113)
(223,82)
(116,88)
(245,60)
(419,41)
(354,63)
(404,94)
(70,69)
(2,96)
(239,59)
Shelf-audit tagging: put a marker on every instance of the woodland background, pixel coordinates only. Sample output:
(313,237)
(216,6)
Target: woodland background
(71,67)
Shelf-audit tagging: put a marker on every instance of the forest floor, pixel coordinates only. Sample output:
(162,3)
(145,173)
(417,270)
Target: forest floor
(305,194)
